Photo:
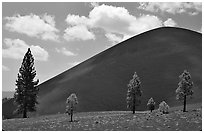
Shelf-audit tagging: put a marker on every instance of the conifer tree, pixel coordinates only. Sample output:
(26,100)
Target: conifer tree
(26,90)
(134,93)
(71,102)
(185,87)
(151,104)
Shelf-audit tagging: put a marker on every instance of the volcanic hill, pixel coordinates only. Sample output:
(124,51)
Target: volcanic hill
(158,56)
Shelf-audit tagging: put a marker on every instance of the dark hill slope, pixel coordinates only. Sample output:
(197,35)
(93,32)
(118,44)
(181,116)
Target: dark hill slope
(158,56)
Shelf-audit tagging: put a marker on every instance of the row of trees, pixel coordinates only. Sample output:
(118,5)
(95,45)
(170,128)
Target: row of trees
(26,92)
(134,93)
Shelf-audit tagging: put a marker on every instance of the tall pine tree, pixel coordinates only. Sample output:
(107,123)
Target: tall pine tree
(185,87)
(26,91)
(134,93)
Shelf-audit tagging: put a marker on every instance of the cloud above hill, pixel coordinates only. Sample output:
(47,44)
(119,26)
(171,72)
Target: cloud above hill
(113,20)
(65,51)
(170,22)
(117,23)
(78,32)
(192,8)
(34,26)
(113,38)
(16,49)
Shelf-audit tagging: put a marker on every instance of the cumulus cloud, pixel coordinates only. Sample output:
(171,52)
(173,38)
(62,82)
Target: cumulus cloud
(112,20)
(17,48)
(73,20)
(5,68)
(34,26)
(172,7)
(170,22)
(65,52)
(79,32)
(145,23)
(113,38)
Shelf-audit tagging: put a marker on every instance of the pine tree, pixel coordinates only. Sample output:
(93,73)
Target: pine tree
(151,104)
(71,104)
(185,87)
(134,93)
(26,92)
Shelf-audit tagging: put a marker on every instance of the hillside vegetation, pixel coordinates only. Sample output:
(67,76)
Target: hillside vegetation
(176,120)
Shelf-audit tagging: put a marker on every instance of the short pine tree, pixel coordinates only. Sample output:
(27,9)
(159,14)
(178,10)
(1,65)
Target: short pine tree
(71,104)
(151,104)
(185,87)
(26,92)
(134,93)
(164,107)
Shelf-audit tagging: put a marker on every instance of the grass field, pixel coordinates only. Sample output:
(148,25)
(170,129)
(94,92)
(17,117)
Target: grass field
(113,120)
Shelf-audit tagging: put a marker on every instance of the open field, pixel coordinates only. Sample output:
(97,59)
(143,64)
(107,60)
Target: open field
(114,120)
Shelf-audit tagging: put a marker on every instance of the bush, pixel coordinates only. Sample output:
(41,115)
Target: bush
(164,107)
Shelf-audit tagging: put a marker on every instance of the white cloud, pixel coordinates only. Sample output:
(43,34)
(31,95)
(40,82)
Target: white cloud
(34,26)
(172,7)
(79,32)
(5,68)
(170,22)
(118,20)
(74,20)
(113,38)
(17,48)
(145,23)
(65,52)
(94,4)
(112,20)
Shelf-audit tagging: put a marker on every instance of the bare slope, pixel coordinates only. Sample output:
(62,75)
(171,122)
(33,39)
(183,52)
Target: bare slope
(158,56)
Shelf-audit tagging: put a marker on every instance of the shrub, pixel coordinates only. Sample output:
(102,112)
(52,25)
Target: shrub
(164,107)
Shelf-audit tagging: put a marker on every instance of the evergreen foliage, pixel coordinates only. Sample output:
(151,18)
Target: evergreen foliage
(71,102)
(151,104)
(134,93)
(185,87)
(26,90)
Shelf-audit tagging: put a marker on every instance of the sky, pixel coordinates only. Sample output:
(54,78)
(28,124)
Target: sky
(62,35)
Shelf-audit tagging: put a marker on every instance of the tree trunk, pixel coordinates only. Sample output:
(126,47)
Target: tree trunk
(133,109)
(151,110)
(184,104)
(24,113)
(71,115)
